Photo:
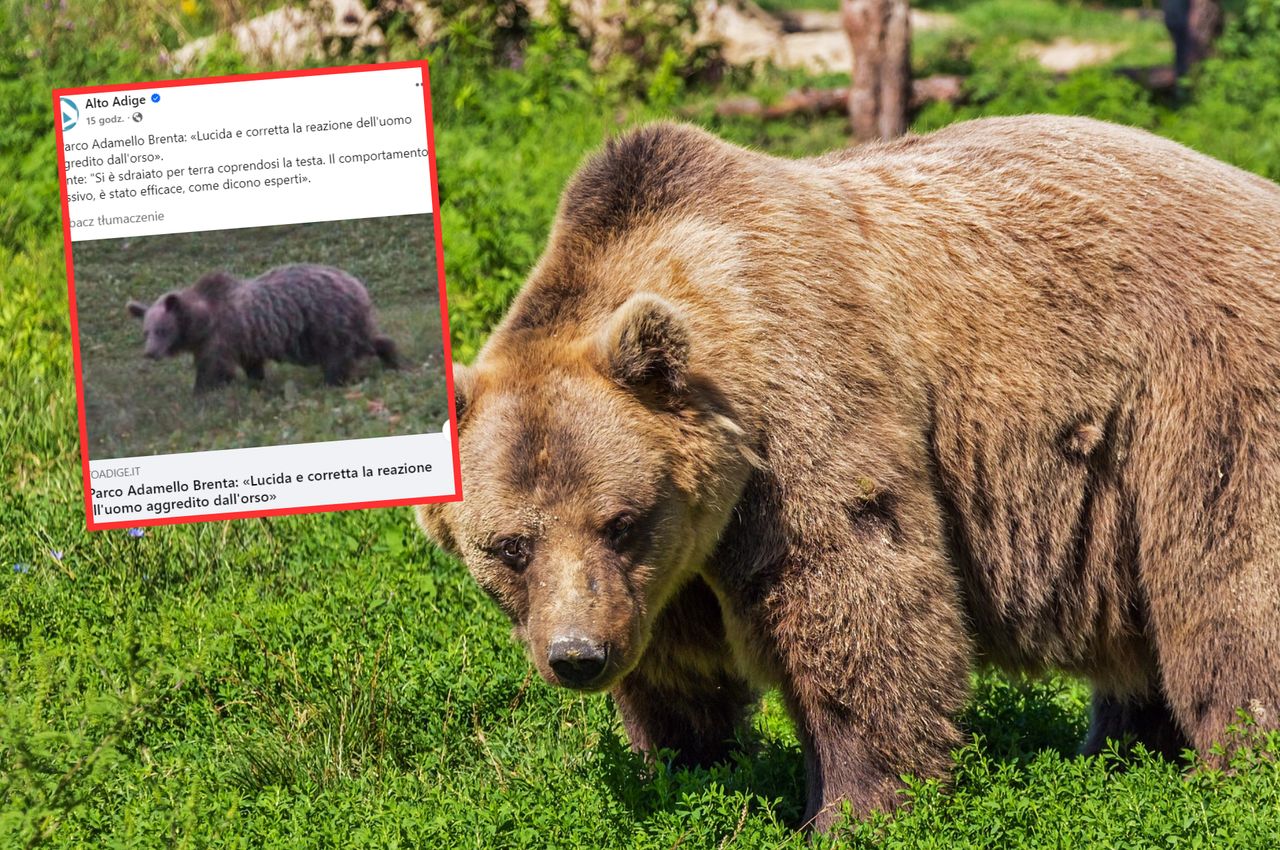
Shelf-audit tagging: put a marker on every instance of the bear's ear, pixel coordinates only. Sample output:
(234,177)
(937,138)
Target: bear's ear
(136,309)
(173,303)
(645,344)
(464,381)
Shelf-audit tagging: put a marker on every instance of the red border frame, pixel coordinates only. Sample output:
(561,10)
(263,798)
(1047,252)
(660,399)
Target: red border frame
(75,322)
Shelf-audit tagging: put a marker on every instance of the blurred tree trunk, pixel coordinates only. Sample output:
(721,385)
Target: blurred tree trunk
(1206,26)
(1194,25)
(880,91)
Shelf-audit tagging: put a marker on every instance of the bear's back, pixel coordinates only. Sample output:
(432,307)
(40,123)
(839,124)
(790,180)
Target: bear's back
(318,293)
(296,312)
(1023,150)
(1021,230)
(1074,188)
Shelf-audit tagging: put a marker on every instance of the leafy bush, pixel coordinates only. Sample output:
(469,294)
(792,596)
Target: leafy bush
(43,46)
(494,226)
(1232,110)
(1003,84)
(1234,113)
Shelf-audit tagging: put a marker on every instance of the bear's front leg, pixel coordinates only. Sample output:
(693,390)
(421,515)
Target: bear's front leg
(254,369)
(685,694)
(868,636)
(213,371)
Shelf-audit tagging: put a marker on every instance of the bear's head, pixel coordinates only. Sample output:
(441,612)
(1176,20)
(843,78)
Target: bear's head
(172,324)
(598,471)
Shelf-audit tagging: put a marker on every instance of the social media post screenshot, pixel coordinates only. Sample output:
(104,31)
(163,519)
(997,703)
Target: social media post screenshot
(257,296)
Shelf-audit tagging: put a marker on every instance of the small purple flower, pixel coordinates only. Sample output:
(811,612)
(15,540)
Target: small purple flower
(135,533)
(56,554)
(21,568)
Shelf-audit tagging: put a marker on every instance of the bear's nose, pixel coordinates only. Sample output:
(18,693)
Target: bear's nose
(577,662)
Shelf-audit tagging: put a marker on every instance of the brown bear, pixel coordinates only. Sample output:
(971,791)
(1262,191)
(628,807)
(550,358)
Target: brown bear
(848,426)
(302,313)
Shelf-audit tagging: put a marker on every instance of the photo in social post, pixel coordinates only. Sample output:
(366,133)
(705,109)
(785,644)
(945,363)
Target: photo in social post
(257,295)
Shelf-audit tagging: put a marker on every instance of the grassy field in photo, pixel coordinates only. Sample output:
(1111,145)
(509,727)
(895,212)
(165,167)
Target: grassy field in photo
(137,407)
(333,681)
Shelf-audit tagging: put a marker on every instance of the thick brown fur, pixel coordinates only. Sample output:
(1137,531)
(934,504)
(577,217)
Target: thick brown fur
(1006,392)
(302,313)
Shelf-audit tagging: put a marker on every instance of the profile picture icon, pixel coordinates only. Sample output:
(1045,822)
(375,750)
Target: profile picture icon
(70,113)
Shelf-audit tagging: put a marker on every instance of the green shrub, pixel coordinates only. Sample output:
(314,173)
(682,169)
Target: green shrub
(1231,111)
(1234,112)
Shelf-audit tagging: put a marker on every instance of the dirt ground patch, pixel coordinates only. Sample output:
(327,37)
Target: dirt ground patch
(1063,55)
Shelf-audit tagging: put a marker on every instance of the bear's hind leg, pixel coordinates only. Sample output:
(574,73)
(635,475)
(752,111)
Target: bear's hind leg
(1210,566)
(254,370)
(386,351)
(337,368)
(1133,720)
(1215,664)
(685,695)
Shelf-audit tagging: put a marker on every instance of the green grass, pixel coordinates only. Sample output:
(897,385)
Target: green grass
(212,685)
(331,681)
(138,407)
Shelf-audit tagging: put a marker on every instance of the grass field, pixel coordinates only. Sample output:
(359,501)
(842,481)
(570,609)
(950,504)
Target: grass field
(137,407)
(331,681)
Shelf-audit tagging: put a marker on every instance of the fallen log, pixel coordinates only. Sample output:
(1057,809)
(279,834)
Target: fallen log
(1158,79)
(944,88)
(809,101)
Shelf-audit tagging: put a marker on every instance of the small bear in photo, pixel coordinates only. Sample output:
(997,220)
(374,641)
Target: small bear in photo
(311,315)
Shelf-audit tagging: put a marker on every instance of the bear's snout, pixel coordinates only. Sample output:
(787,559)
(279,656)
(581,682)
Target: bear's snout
(576,661)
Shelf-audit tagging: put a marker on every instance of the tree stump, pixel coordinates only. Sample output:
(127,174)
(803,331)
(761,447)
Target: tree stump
(1193,25)
(880,92)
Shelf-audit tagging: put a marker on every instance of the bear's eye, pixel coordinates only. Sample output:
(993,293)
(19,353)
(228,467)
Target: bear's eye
(619,530)
(512,551)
